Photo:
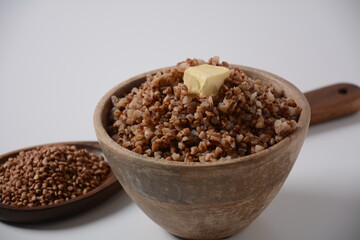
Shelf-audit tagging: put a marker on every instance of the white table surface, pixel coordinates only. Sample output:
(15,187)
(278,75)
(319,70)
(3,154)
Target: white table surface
(57,58)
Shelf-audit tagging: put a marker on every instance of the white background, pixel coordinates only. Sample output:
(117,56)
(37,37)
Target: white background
(57,58)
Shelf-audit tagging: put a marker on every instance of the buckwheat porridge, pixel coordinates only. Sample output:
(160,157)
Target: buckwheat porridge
(164,120)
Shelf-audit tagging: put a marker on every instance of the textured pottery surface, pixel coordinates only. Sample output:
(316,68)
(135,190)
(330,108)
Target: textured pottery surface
(203,200)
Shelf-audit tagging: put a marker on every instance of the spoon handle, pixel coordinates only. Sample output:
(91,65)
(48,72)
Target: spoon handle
(333,101)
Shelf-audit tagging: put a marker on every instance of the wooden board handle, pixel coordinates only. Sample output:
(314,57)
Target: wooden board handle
(333,101)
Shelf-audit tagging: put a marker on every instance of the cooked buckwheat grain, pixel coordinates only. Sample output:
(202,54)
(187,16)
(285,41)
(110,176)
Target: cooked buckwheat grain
(161,120)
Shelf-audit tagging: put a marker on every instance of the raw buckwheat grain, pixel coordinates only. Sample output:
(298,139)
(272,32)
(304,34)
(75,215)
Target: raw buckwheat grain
(49,175)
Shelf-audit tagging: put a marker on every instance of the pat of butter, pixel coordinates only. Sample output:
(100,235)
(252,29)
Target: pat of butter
(205,80)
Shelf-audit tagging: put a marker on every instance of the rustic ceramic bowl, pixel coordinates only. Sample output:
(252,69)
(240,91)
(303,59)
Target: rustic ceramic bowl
(203,200)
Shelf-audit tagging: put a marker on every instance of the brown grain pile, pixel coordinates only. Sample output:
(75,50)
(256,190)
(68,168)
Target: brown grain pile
(49,175)
(160,119)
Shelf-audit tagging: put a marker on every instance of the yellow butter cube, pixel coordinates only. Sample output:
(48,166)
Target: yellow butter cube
(205,80)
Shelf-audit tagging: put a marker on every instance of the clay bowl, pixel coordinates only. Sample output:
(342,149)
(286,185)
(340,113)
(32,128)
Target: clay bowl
(64,209)
(203,200)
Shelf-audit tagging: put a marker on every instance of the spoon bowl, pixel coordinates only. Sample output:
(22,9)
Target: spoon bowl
(64,209)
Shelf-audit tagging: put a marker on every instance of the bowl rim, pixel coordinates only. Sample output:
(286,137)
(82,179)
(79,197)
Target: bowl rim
(104,137)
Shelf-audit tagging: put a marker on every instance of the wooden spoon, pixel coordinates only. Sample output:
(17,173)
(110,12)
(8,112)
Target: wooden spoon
(333,101)
(67,208)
